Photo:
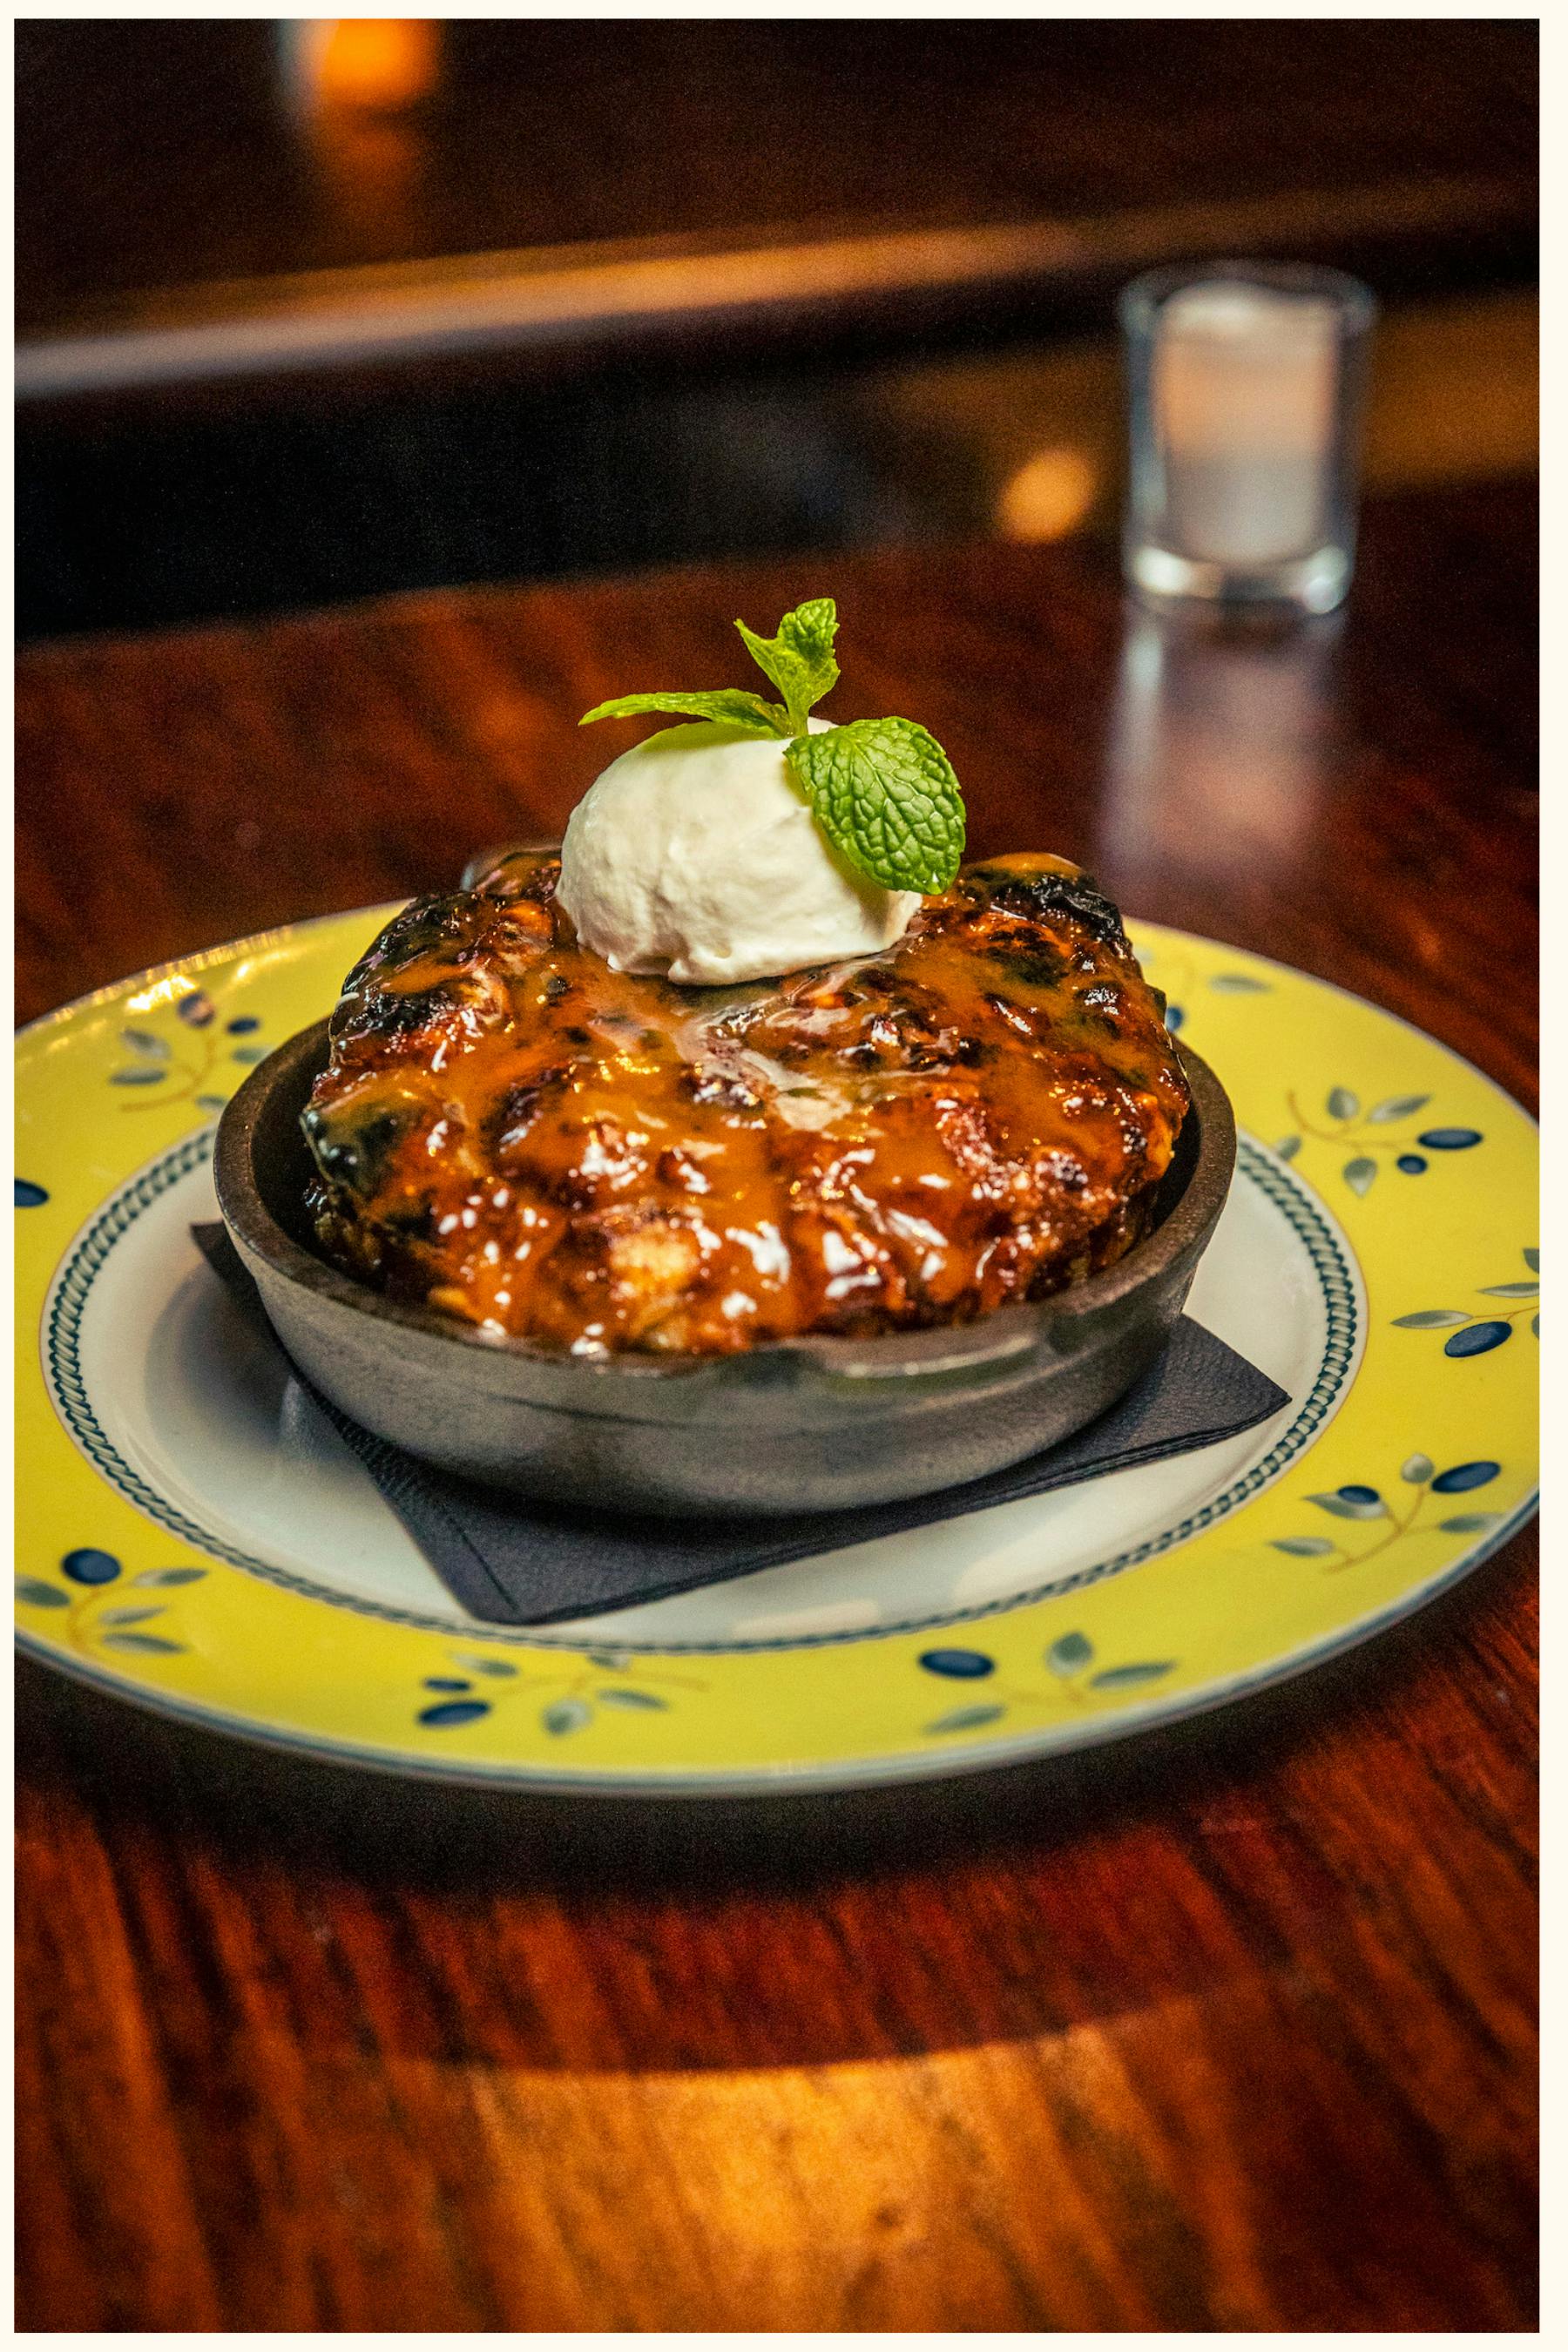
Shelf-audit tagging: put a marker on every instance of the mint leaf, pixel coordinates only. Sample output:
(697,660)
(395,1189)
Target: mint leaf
(882,790)
(799,660)
(884,793)
(728,706)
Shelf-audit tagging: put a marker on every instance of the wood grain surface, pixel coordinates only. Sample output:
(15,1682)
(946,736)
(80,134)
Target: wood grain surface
(1228,2029)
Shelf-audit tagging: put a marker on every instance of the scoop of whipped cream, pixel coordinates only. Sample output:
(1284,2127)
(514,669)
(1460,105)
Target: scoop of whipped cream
(696,855)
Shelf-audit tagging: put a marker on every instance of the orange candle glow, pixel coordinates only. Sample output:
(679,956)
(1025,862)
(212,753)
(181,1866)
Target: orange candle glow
(377,64)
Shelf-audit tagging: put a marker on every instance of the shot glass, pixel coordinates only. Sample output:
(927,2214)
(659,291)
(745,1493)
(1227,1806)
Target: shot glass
(1245,385)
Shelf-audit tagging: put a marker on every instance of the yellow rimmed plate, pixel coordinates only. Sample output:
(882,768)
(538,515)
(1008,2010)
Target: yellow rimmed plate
(193,1536)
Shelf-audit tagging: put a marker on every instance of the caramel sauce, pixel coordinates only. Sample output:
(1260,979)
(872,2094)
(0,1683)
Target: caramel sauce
(516,1133)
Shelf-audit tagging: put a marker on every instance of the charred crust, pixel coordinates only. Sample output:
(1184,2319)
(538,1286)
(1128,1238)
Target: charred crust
(1038,965)
(354,1148)
(1045,897)
(390,1013)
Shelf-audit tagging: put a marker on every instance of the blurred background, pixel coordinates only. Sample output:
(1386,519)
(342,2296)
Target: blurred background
(311,309)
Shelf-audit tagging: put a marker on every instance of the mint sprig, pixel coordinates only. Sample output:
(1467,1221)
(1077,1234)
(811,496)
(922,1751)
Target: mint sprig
(727,706)
(884,793)
(882,790)
(799,660)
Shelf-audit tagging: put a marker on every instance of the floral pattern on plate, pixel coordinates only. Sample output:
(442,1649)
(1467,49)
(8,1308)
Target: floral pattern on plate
(1071,1660)
(1476,1334)
(88,1625)
(1394,1521)
(579,1685)
(185,1057)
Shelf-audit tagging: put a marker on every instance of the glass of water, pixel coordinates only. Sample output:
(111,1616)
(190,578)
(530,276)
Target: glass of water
(1245,385)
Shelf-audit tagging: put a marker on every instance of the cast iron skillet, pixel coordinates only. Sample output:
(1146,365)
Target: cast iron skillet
(807,1423)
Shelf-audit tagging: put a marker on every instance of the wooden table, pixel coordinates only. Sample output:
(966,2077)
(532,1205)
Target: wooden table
(1230,2029)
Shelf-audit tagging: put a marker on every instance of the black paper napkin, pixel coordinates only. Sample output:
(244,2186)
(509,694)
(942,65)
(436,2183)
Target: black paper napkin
(512,1562)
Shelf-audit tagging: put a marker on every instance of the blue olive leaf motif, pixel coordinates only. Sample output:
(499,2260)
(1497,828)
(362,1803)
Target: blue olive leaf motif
(212,1102)
(146,1045)
(141,1076)
(967,1719)
(560,1716)
(1238,983)
(1449,1138)
(1395,1107)
(242,1027)
(1067,1658)
(1478,1340)
(1477,1335)
(964,1665)
(39,1595)
(1068,1654)
(249,1055)
(1357,1502)
(30,1195)
(1343,1104)
(144,1644)
(1410,1163)
(197,1009)
(166,1575)
(1288,1146)
(1465,1476)
(1175,1017)
(128,1616)
(1353,1503)
(90,1567)
(1360,1174)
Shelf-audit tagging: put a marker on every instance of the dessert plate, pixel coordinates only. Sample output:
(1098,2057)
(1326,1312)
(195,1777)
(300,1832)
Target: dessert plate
(193,1537)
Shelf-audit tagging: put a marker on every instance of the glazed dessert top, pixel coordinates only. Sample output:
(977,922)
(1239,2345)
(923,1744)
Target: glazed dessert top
(514,1132)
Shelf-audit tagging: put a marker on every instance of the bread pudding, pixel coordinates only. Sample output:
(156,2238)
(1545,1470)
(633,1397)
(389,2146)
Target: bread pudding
(595,1160)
